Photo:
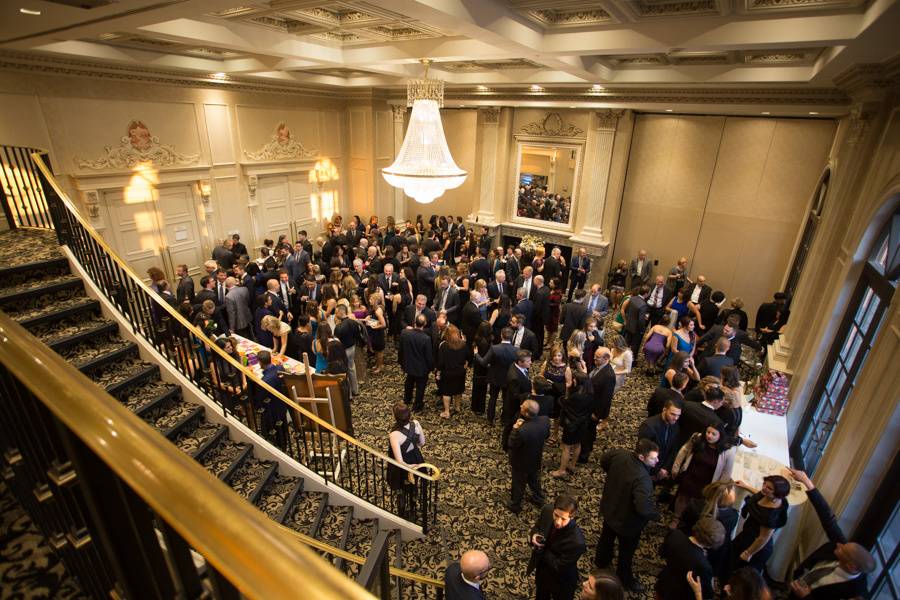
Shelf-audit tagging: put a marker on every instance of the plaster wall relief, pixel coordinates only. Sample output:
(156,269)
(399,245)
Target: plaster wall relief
(552,125)
(281,146)
(137,146)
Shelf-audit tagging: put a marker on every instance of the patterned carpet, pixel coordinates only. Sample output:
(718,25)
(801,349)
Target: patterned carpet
(28,568)
(475,481)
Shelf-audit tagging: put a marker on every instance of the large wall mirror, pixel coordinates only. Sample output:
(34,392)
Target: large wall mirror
(546,182)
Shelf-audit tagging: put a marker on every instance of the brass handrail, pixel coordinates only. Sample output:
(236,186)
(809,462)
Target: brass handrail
(161,474)
(38,159)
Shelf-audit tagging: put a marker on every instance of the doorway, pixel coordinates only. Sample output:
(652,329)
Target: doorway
(284,205)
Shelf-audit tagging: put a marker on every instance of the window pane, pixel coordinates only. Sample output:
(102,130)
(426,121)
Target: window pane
(871,310)
(848,352)
(890,535)
(895,574)
(836,381)
(863,305)
(883,592)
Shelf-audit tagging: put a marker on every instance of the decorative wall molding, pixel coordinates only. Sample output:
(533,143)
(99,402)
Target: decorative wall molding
(138,145)
(551,126)
(281,147)
(609,118)
(399,112)
(490,115)
(858,122)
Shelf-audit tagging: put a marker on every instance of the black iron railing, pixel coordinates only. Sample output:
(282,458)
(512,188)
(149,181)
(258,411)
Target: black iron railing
(22,197)
(337,457)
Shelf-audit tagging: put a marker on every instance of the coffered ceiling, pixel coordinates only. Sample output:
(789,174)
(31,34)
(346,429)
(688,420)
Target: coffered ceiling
(479,45)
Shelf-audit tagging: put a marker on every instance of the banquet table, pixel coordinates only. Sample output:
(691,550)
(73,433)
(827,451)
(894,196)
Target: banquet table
(249,349)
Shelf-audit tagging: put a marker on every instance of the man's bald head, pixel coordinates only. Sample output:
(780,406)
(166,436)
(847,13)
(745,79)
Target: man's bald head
(474,565)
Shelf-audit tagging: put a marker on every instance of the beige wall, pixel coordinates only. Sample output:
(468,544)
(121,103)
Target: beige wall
(729,193)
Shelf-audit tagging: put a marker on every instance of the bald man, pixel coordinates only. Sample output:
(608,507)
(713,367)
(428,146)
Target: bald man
(462,579)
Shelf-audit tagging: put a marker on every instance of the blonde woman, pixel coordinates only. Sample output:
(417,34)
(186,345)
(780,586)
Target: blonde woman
(451,369)
(280,332)
(376,323)
(622,359)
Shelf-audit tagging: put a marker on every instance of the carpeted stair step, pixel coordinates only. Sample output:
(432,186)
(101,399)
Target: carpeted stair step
(141,399)
(279,499)
(221,459)
(359,542)
(305,511)
(65,333)
(36,287)
(264,482)
(319,517)
(206,442)
(12,274)
(139,374)
(175,419)
(334,520)
(94,354)
(51,308)
(252,477)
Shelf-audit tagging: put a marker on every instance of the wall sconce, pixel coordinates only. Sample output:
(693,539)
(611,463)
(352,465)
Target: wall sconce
(205,190)
(92,203)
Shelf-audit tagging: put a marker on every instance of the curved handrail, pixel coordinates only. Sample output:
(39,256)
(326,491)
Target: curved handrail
(177,488)
(174,314)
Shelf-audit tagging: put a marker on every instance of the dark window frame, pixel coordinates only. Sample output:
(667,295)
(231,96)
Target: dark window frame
(808,237)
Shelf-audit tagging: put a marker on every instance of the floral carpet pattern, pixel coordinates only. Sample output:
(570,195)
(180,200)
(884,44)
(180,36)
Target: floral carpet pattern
(475,482)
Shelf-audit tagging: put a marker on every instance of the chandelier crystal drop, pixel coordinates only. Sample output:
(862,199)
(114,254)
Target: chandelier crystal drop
(424,168)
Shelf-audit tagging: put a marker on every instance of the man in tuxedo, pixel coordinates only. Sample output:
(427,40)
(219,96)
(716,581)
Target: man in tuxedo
(578,271)
(663,430)
(709,310)
(677,276)
(627,505)
(359,273)
(572,316)
(735,336)
(498,287)
(237,307)
(416,358)
(522,337)
(518,389)
(207,292)
(636,318)
(278,308)
(513,265)
(525,282)
(663,395)
(463,578)
(553,265)
(712,365)
(497,361)
(557,543)
(837,569)
(237,247)
(603,383)
(469,320)
(446,301)
(526,451)
(223,255)
(540,314)
(640,269)
(523,307)
(480,266)
(697,416)
(484,242)
(185,290)
(597,304)
(425,279)
(219,287)
(419,307)
(699,290)
(390,284)
(657,299)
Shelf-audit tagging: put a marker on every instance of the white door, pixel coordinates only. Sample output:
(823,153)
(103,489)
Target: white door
(134,231)
(284,205)
(180,228)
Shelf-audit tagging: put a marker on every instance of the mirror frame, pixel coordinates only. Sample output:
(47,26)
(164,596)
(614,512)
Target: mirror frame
(547,142)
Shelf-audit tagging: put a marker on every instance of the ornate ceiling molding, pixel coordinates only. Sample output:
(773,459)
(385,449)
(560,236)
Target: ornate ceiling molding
(138,145)
(609,118)
(551,126)
(281,146)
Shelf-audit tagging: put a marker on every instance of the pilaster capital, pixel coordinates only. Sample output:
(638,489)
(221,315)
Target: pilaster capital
(399,112)
(608,118)
(490,115)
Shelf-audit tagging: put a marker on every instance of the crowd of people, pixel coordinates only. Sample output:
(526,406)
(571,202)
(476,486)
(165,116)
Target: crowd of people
(535,202)
(552,351)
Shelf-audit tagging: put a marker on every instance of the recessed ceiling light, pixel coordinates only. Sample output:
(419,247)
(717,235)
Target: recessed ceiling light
(219,75)
(812,112)
(462,105)
(483,88)
(29,11)
(573,107)
(766,113)
(536,88)
(596,87)
(668,110)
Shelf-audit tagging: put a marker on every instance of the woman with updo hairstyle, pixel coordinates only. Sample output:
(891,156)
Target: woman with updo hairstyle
(602,584)
(765,511)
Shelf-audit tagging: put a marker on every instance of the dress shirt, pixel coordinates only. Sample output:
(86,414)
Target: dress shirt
(443,300)
(517,338)
(592,303)
(656,296)
(284,295)
(474,584)
(640,268)
(829,573)
(527,285)
(221,292)
(500,289)
(695,295)
(524,371)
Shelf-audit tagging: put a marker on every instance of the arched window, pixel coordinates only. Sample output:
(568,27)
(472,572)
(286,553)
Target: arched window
(854,339)
(808,235)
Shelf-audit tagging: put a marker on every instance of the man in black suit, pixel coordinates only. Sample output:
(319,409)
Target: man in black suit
(526,450)
(687,554)
(557,543)
(771,318)
(425,278)
(603,383)
(518,389)
(522,337)
(662,395)
(540,313)
(416,358)
(469,320)
(278,308)
(206,292)
(640,269)
(419,307)
(185,290)
(525,282)
(662,429)
(709,311)
(523,307)
(237,246)
(274,410)
(497,361)
(636,318)
(446,300)
(627,505)
(697,416)
(480,266)
(657,299)
(553,265)
(712,365)
(289,294)
(512,266)
(463,578)
(837,569)
(223,255)
(579,269)
(699,290)
(219,287)
(572,316)
(498,287)
(735,336)
(312,291)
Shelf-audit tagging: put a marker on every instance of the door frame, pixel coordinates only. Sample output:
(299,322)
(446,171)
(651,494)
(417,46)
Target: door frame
(251,172)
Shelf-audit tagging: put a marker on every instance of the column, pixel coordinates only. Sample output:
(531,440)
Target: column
(489,133)
(399,112)
(595,177)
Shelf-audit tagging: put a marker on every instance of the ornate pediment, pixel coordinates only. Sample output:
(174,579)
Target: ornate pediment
(551,126)
(138,145)
(281,147)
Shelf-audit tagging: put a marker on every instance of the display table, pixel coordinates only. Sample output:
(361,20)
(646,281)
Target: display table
(249,349)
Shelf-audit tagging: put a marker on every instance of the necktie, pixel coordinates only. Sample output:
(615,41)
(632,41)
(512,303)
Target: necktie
(593,305)
(221,293)
(500,289)
(818,573)
(656,292)
(443,299)
(284,293)
(528,288)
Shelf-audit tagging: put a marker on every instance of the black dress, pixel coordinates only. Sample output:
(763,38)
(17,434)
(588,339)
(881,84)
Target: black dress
(451,365)
(399,479)
(575,416)
(479,378)
(758,517)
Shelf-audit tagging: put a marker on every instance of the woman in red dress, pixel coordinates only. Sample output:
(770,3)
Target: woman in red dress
(556,294)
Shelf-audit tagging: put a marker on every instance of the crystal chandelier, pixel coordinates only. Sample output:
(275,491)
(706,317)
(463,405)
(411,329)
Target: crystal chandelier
(424,167)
